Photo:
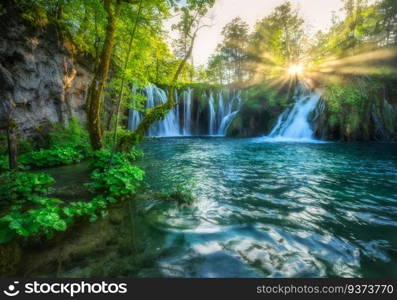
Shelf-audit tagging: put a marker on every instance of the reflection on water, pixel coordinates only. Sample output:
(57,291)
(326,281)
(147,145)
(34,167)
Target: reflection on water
(275,209)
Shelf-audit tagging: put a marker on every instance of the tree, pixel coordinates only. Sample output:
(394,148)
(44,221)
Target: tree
(234,46)
(112,8)
(191,21)
(8,123)
(217,69)
(123,79)
(278,39)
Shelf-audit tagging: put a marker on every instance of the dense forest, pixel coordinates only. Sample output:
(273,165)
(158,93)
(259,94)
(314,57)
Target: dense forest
(73,72)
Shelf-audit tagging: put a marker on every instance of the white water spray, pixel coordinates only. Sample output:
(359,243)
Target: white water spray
(220,120)
(294,123)
(221,113)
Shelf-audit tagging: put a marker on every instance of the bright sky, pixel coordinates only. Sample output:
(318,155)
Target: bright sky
(317,13)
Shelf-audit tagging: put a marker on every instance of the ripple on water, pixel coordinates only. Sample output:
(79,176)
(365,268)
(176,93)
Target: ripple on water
(276,209)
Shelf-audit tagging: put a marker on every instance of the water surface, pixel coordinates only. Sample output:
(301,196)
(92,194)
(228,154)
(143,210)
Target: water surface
(275,209)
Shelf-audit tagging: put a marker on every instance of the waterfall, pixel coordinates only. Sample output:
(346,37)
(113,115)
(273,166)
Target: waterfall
(221,117)
(222,109)
(294,123)
(167,127)
(228,112)
(187,112)
(134,118)
(212,116)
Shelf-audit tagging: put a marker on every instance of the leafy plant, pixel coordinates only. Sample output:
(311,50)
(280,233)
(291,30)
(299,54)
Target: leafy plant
(3,163)
(117,181)
(180,196)
(20,187)
(43,220)
(73,136)
(114,176)
(91,209)
(56,156)
(30,211)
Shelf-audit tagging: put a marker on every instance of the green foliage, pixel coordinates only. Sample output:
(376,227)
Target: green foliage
(30,211)
(20,187)
(180,195)
(56,156)
(340,95)
(114,177)
(97,206)
(229,64)
(3,144)
(68,145)
(73,136)
(260,95)
(3,163)
(117,181)
(45,220)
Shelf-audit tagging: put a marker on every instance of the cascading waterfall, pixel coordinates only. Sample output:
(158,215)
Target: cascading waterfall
(212,116)
(294,123)
(187,112)
(179,121)
(167,127)
(220,120)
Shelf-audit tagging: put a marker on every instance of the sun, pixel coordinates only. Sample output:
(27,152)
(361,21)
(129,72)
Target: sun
(295,70)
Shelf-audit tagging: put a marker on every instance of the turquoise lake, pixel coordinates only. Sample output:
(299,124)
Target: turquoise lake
(274,209)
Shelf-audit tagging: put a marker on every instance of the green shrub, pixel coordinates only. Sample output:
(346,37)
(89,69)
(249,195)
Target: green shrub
(56,156)
(3,163)
(91,209)
(180,196)
(117,181)
(44,220)
(103,159)
(20,187)
(30,211)
(24,145)
(114,177)
(73,136)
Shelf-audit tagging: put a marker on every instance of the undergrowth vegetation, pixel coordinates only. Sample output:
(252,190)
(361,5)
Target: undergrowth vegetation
(27,209)
(67,145)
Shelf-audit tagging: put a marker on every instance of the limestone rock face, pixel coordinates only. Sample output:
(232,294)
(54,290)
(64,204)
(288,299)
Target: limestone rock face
(41,82)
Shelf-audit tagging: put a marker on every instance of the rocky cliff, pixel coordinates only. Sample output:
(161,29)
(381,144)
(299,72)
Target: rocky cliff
(41,81)
(377,121)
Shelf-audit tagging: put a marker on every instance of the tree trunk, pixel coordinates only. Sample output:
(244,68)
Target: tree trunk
(127,59)
(12,144)
(99,81)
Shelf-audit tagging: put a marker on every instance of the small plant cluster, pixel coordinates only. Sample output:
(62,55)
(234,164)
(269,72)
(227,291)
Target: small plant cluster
(55,156)
(68,145)
(114,177)
(180,195)
(30,211)
(3,163)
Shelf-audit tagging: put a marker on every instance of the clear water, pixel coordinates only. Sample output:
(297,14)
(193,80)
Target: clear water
(274,209)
